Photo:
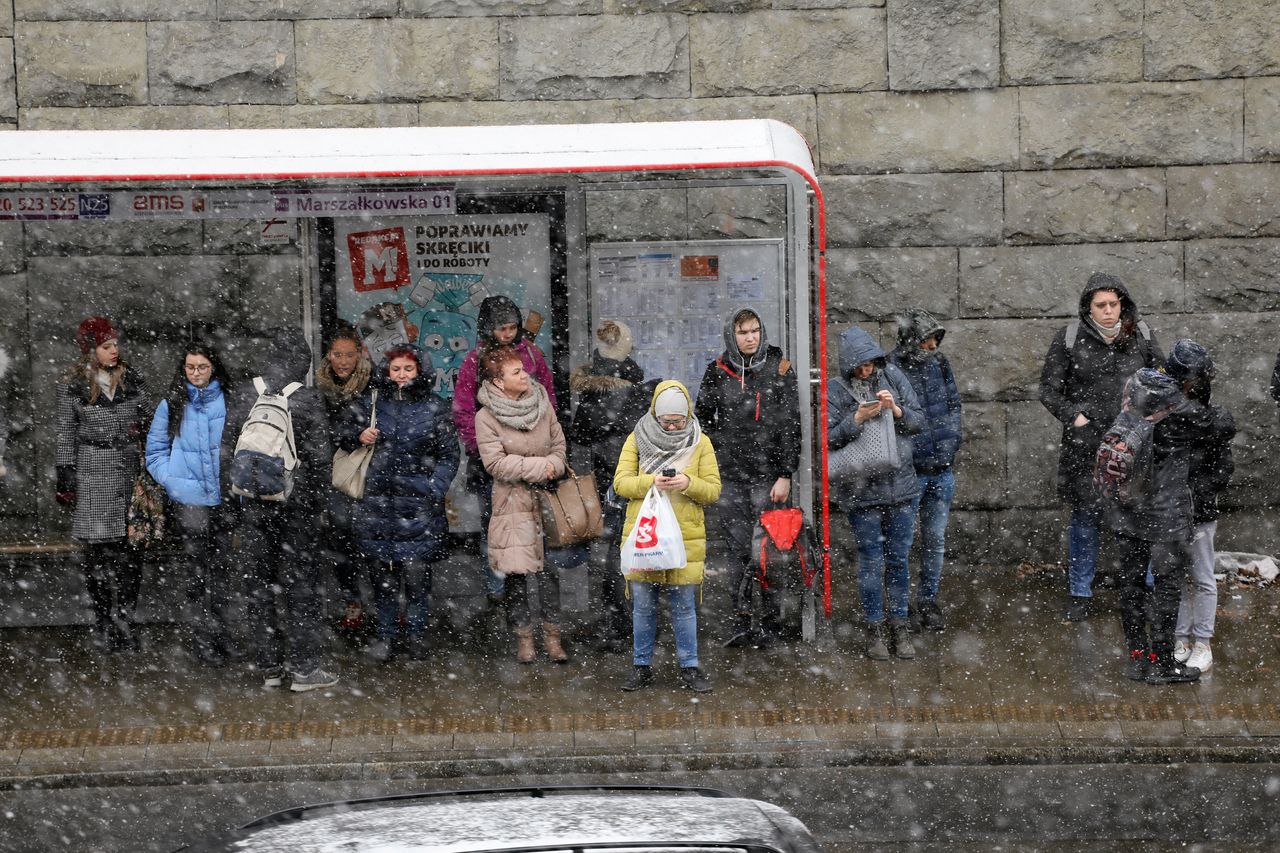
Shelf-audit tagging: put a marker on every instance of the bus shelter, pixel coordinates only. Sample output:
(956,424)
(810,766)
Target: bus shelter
(402,232)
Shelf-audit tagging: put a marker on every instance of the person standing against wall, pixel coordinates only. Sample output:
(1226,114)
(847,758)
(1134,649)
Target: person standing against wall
(749,405)
(343,375)
(498,324)
(101,406)
(919,357)
(1084,373)
(184,448)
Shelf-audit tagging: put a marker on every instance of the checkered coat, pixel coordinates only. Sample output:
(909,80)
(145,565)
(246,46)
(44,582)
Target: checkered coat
(102,440)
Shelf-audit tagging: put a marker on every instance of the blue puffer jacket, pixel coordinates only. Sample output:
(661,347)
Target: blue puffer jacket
(188,466)
(935,387)
(895,487)
(401,516)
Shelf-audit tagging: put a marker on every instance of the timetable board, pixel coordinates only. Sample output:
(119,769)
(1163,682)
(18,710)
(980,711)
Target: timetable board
(676,296)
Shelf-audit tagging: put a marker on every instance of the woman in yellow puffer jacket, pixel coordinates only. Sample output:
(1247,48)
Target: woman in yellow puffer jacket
(668,439)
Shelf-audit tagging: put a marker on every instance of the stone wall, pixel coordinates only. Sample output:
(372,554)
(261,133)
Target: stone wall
(979,157)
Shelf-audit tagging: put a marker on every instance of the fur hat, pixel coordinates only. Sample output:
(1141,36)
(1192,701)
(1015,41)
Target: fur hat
(615,339)
(94,332)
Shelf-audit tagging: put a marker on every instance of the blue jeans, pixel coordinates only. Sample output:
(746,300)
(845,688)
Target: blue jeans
(1082,550)
(883,534)
(933,506)
(644,621)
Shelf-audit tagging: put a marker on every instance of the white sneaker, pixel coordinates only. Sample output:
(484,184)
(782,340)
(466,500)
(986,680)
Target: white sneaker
(1181,650)
(1201,657)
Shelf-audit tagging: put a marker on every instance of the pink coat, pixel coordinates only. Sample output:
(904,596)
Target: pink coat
(468,382)
(515,458)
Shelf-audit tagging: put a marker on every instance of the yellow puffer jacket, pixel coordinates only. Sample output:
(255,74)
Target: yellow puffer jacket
(704,489)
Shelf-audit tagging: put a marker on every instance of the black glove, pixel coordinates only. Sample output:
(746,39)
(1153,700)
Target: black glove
(65,491)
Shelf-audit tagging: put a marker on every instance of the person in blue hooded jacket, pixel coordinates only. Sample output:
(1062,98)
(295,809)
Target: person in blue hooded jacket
(400,523)
(183,455)
(919,357)
(879,507)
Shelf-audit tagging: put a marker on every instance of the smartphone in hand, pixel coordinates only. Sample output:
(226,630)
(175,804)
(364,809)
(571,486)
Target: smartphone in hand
(669,472)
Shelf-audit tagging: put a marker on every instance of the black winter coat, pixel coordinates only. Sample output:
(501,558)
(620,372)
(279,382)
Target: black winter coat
(402,513)
(1089,379)
(610,402)
(1211,464)
(752,418)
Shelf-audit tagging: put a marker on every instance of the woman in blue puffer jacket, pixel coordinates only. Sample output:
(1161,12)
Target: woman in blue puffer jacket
(183,448)
(400,522)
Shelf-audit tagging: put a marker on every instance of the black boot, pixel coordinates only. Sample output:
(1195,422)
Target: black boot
(641,677)
(902,645)
(741,636)
(876,647)
(1136,668)
(931,616)
(1168,671)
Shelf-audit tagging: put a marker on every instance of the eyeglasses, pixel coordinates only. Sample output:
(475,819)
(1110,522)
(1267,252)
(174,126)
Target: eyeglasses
(197,368)
(674,422)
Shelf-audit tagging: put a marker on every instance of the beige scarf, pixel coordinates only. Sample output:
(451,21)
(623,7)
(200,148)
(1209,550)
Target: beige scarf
(340,393)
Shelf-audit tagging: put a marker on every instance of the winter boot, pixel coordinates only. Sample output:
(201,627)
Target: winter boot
(741,636)
(1077,608)
(770,633)
(876,648)
(902,645)
(551,642)
(695,679)
(1139,661)
(931,616)
(641,677)
(525,652)
(1169,671)
(615,632)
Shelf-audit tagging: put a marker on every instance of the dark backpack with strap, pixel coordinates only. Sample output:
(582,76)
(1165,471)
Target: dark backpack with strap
(1123,465)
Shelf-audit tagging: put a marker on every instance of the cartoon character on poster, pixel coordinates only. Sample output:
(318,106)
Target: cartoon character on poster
(383,326)
(446,332)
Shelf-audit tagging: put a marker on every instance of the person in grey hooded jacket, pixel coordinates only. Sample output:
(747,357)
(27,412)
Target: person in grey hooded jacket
(879,507)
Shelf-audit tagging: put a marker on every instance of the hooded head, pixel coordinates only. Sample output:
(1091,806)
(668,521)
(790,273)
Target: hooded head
(1191,367)
(744,318)
(1104,281)
(914,328)
(857,347)
(615,340)
(1150,390)
(497,311)
(421,385)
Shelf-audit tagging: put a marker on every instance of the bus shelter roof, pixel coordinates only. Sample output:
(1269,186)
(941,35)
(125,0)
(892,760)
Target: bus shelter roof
(238,154)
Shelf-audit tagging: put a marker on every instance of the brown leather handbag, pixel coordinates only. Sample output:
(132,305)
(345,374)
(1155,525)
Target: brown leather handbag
(570,509)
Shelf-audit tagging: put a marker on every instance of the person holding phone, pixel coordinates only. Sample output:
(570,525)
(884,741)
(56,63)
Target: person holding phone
(879,507)
(669,451)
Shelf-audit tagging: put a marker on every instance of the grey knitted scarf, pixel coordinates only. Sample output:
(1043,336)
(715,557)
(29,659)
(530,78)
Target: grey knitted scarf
(521,414)
(660,449)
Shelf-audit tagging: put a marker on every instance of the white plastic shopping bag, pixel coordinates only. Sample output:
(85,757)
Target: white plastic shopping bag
(655,542)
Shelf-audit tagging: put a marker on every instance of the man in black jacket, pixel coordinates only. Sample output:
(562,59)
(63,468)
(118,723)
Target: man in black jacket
(749,405)
(278,543)
(1084,371)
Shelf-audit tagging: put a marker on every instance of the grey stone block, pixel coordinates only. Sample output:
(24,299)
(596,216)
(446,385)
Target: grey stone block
(123,118)
(224,62)
(8,81)
(289,10)
(1233,275)
(1035,281)
(980,465)
(66,64)
(12,253)
(397,61)
(494,8)
(1262,118)
(1084,206)
(808,51)
(178,237)
(961,209)
(1026,534)
(1134,124)
(1241,200)
(6,19)
(796,110)
(954,44)
(617,215)
(1070,41)
(324,115)
(138,292)
(932,132)
(1252,531)
(737,212)
(1244,347)
(595,56)
(873,284)
(1188,39)
(115,10)
(995,370)
(1031,451)
(825,4)
(968,534)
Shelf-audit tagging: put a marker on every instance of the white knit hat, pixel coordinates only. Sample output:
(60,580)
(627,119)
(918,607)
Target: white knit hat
(672,401)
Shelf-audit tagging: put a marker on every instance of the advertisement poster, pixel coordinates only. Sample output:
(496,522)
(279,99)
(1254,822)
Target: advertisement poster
(422,280)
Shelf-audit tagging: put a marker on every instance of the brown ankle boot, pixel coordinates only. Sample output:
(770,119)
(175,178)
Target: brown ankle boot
(551,642)
(524,644)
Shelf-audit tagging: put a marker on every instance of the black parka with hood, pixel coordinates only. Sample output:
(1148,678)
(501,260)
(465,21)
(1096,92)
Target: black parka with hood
(1088,378)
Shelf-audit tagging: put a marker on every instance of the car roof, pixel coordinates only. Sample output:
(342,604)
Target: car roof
(521,819)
